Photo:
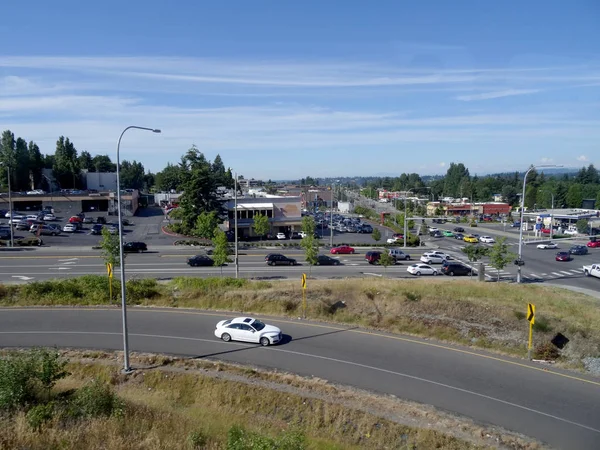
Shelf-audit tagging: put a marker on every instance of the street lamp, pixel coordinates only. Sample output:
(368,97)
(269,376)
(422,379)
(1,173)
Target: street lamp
(520,261)
(235,224)
(331,216)
(10,215)
(126,367)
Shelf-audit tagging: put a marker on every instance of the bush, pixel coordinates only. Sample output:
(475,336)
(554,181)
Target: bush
(40,414)
(27,377)
(412,296)
(542,324)
(546,351)
(197,439)
(240,439)
(138,290)
(95,400)
(209,284)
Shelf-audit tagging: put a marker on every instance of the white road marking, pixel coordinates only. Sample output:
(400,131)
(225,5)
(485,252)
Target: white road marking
(341,361)
(67,263)
(58,268)
(565,272)
(556,274)
(373,274)
(70,259)
(23,277)
(544,274)
(533,275)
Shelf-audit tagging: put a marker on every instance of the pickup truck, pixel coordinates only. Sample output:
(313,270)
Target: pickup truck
(592,270)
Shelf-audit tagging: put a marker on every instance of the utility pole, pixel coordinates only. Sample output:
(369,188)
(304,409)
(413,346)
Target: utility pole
(235,224)
(331,217)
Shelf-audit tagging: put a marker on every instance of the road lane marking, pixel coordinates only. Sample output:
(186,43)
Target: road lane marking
(313,325)
(556,274)
(326,358)
(565,272)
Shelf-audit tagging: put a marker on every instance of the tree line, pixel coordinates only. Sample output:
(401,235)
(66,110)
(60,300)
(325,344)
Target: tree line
(568,190)
(27,164)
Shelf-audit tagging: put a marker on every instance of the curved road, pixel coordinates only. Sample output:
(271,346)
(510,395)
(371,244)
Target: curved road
(556,407)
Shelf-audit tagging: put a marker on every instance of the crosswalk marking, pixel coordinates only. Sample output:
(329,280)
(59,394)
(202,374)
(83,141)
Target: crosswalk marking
(556,274)
(564,271)
(533,275)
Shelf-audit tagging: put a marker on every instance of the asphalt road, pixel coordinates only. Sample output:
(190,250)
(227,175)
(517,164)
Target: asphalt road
(556,407)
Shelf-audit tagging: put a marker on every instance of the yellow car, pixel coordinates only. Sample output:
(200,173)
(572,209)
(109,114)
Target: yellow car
(471,239)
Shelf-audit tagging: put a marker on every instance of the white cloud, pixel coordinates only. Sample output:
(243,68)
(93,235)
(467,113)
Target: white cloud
(442,164)
(546,160)
(582,158)
(496,94)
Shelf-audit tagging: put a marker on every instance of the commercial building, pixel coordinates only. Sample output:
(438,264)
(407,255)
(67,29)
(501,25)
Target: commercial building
(467,209)
(284,214)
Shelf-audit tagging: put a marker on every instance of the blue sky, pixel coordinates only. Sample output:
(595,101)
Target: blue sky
(320,88)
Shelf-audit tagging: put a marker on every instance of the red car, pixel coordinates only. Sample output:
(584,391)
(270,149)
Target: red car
(563,256)
(546,230)
(75,219)
(593,244)
(342,249)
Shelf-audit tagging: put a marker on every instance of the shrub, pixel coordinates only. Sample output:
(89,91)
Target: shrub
(96,399)
(240,439)
(542,324)
(412,296)
(209,284)
(520,315)
(138,290)
(40,414)
(546,351)
(197,439)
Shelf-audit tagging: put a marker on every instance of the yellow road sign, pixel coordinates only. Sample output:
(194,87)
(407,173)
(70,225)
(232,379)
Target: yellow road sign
(531,313)
(109,270)
(303,281)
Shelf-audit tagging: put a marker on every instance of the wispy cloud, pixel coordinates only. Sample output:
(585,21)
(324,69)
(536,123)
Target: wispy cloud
(496,94)
(547,160)
(582,158)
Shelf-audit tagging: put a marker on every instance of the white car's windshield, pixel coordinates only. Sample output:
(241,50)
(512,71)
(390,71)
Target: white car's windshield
(258,325)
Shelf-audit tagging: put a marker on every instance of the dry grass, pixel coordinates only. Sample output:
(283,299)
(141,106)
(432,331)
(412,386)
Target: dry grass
(484,315)
(168,403)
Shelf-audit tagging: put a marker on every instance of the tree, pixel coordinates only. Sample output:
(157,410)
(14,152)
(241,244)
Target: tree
(376,235)
(170,178)
(574,196)
(219,172)
(475,253)
(86,162)
(21,166)
(456,175)
(36,164)
(309,243)
(221,251)
(386,260)
(583,226)
(7,156)
(102,163)
(206,224)
(598,200)
(500,256)
(66,164)
(110,248)
(530,196)
(509,194)
(261,225)
(132,175)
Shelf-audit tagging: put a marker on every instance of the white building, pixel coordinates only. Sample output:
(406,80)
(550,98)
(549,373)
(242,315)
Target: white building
(101,181)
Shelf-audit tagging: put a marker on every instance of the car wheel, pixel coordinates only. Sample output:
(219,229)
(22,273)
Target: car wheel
(429,262)
(264,341)
(226,337)
(352,252)
(140,250)
(407,258)
(451,274)
(434,273)
(418,274)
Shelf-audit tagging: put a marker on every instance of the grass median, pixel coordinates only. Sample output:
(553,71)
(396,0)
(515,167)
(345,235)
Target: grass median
(482,315)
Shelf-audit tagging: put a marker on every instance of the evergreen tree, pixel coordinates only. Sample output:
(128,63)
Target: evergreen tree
(8,158)
(21,167)
(36,164)
(66,164)
(103,163)
(86,162)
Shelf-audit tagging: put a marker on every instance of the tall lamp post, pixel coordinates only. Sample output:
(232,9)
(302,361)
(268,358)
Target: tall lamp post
(126,367)
(235,224)
(10,215)
(331,216)
(520,260)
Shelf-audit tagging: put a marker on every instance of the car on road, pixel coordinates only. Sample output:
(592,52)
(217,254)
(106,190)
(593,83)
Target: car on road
(433,230)
(324,260)
(549,245)
(453,268)
(448,233)
(342,249)
(200,260)
(593,244)
(421,269)
(248,329)
(459,236)
(97,229)
(70,228)
(459,230)
(398,254)
(563,256)
(372,257)
(578,250)
(135,247)
(281,236)
(515,225)
(276,259)
(487,239)
(471,239)
(431,258)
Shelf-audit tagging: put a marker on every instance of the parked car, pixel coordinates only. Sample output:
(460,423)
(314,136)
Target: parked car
(563,256)
(366,228)
(276,259)
(549,245)
(97,229)
(49,217)
(22,225)
(101,220)
(200,260)
(281,236)
(578,250)
(45,230)
(452,268)
(324,260)
(135,247)
(394,240)
(75,219)
(421,269)
(88,219)
(29,241)
(342,249)
(247,329)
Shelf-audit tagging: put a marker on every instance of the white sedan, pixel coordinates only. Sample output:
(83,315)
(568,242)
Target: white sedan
(487,239)
(421,269)
(393,240)
(49,217)
(247,329)
(69,228)
(281,236)
(550,245)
